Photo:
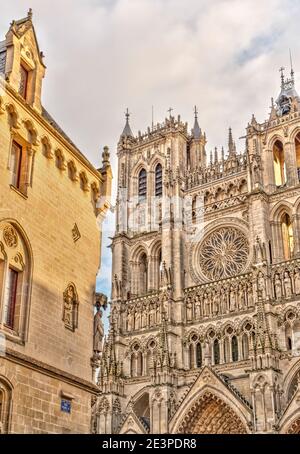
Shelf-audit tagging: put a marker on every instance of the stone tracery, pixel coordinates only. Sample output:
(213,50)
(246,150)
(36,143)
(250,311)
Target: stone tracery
(224,253)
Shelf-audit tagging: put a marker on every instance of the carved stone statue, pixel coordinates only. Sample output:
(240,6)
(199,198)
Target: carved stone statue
(277,286)
(158,317)
(137,318)
(151,315)
(250,295)
(206,305)
(297,280)
(232,299)
(224,307)
(144,316)
(197,308)
(287,283)
(261,286)
(98,330)
(241,296)
(129,320)
(216,304)
(189,310)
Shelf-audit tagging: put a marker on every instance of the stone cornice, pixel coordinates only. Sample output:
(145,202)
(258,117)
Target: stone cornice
(50,371)
(45,124)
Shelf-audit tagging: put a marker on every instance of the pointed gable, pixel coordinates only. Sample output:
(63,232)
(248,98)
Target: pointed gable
(209,383)
(21,61)
(132,425)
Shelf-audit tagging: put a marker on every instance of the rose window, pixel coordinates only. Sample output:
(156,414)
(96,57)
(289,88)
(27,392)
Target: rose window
(224,253)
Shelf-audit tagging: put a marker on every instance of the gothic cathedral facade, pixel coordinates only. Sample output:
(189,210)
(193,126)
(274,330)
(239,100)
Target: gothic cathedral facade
(205,312)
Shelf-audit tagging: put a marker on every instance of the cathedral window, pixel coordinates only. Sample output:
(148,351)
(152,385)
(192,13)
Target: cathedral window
(198,355)
(23,87)
(288,337)
(192,356)
(245,346)
(297,150)
(142,184)
(234,349)
(16,164)
(10,292)
(5,406)
(287,236)
(226,350)
(158,180)
(14,281)
(216,352)
(139,365)
(279,164)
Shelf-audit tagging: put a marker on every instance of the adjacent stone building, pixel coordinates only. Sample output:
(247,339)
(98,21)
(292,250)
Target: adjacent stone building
(52,202)
(205,312)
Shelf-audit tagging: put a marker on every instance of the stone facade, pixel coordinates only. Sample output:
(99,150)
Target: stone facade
(52,202)
(205,311)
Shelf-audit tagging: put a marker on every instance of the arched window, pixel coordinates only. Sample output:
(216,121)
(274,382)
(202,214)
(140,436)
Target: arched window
(142,184)
(245,346)
(287,236)
(198,355)
(191,356)
(288,337)
(132,365)
(139,364)
(297,150)
(158,180)
(143,274)
(159,268)
(234,349)
(15,273)
(216,352)
(279,164)
(5,405)
(226,350)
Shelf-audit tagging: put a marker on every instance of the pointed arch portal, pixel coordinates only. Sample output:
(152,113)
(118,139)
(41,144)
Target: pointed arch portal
(211,415)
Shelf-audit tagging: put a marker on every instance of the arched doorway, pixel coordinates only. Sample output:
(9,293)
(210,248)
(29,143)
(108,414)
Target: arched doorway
(211,415)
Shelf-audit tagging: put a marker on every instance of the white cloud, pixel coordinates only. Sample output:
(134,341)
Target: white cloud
(103,56)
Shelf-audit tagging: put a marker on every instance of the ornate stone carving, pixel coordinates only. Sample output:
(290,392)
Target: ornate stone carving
(70,311)
(10,236)
(98,330)
(224,253)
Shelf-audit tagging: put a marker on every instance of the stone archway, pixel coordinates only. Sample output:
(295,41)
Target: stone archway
(294,428)
(211,415)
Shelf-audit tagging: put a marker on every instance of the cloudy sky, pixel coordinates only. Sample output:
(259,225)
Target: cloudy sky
(105,55)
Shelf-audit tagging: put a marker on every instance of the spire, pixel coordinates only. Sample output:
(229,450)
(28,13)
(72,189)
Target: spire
(281,70)
(216,155)
(222,154)
(163,342)
(105,157)
(127,130)
(292,69)
(196,131)
(231,146)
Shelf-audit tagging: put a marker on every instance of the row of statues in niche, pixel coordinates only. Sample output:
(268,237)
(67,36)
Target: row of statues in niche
(142,315)
(209,302)
(286,284)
